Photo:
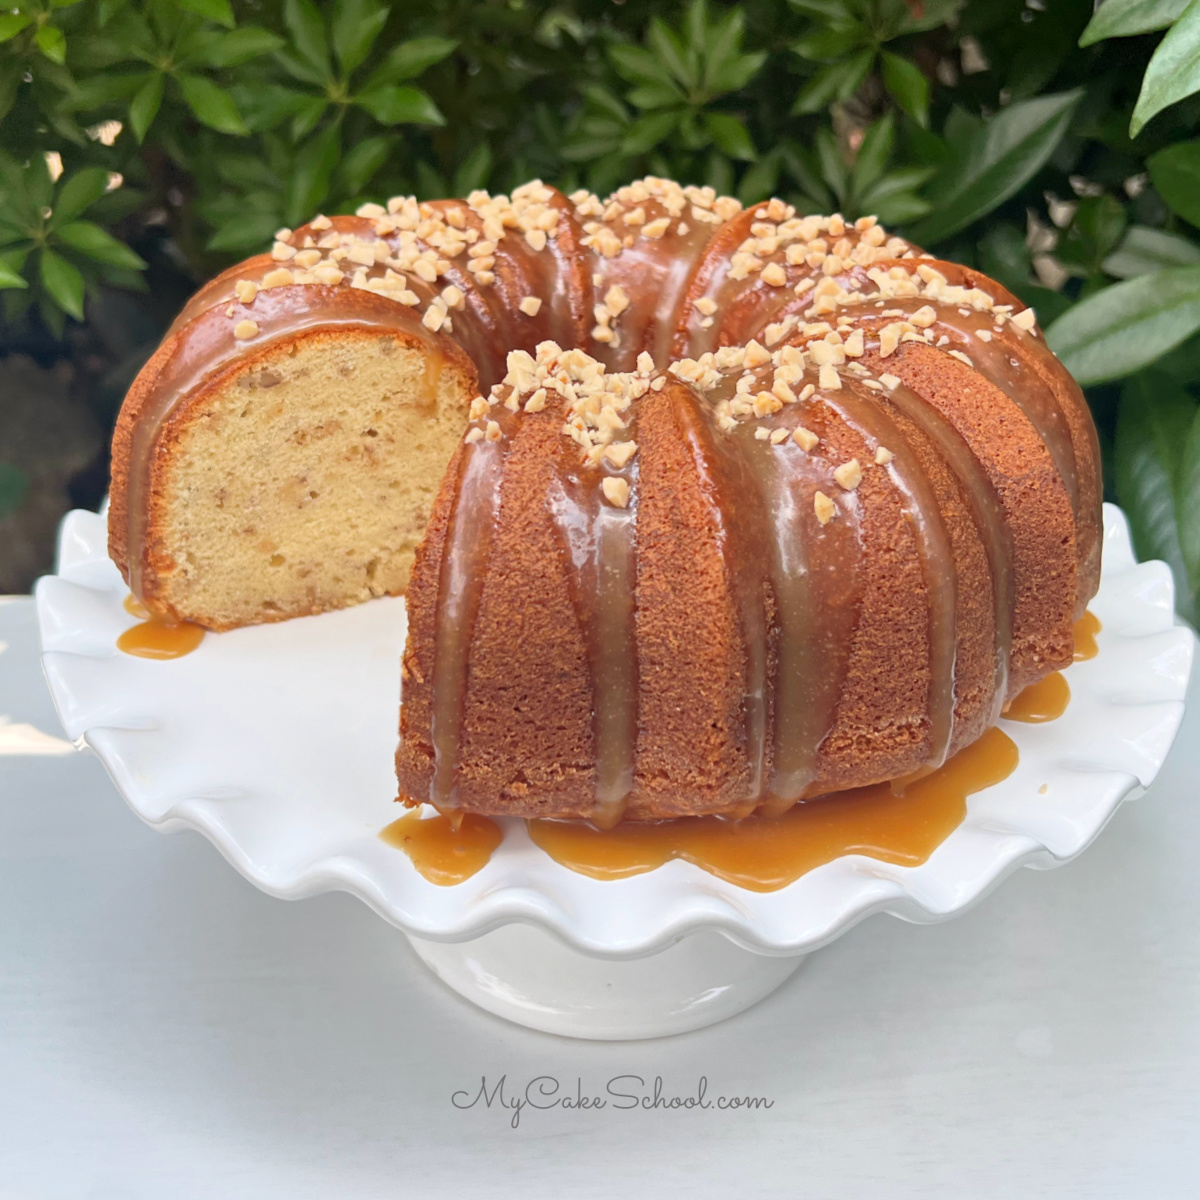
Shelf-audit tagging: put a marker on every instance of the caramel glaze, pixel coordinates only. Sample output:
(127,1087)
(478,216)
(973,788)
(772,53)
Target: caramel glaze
(766,853)
(157,637)
(760,853)
(1086,629)
(446,850)
(1043,701)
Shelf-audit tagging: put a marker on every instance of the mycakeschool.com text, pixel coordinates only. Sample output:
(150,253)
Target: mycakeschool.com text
(621,1093)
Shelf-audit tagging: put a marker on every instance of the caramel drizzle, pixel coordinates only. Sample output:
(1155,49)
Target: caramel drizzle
(600,545)
(743,561)
(460,588)
(985,507)
(920,505)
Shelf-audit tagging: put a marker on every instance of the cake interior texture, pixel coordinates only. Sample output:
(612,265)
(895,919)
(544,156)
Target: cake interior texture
(302,479)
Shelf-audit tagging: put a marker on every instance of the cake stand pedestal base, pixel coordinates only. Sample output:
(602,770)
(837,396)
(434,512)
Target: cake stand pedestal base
(525,974)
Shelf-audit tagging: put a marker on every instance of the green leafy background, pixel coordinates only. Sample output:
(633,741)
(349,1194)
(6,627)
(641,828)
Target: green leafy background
(144,144)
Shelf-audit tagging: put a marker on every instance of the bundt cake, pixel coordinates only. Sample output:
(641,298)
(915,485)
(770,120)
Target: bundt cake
(741,506)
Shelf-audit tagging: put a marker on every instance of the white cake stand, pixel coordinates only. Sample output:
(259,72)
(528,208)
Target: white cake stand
(276,743)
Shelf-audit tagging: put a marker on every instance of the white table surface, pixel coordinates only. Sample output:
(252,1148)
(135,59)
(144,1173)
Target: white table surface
(167,1031)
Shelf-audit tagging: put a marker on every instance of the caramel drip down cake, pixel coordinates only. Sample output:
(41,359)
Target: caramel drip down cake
(696,508)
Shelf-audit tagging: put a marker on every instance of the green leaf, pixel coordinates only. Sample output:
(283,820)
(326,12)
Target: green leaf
(838,81)
(1128,325)
(646,132)
(638,65)
(52,43)
(356,26)
(1144,250)
(77,194)
(315,162)
(474,171)
(1153,424)
(907,85)
(12,23)
(143,108)
(999,159)
(392,105)
(211,105)
(239,46)
(252,231)
(363,160)
(410,58)
(303,19)
(831,43)
(874,152)
(309,112)
(730,136)
(668,48)
(13,485)
(761,180)
(93,242)
(63,282)
(1174,71)
(215,10)
(1187,504)
(1125,18)
(1175,172)
(10,278)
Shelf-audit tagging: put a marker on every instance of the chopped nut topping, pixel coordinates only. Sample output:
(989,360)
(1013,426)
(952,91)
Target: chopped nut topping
(616,300)
(536,402)
(824,508)
(773,274)
(245,290)
(616,490)
(619,453)
(245,329)
(475,434)
(883,456)
(762,433)
(434,318)
(828,378)
(778,435)
(656,229)
(530,306)
(848,475)
(1026,320)
(492,432)
(891,382)
(804,438)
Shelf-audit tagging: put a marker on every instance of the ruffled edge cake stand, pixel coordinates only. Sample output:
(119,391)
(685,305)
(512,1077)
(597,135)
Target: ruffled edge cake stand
(276,743)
